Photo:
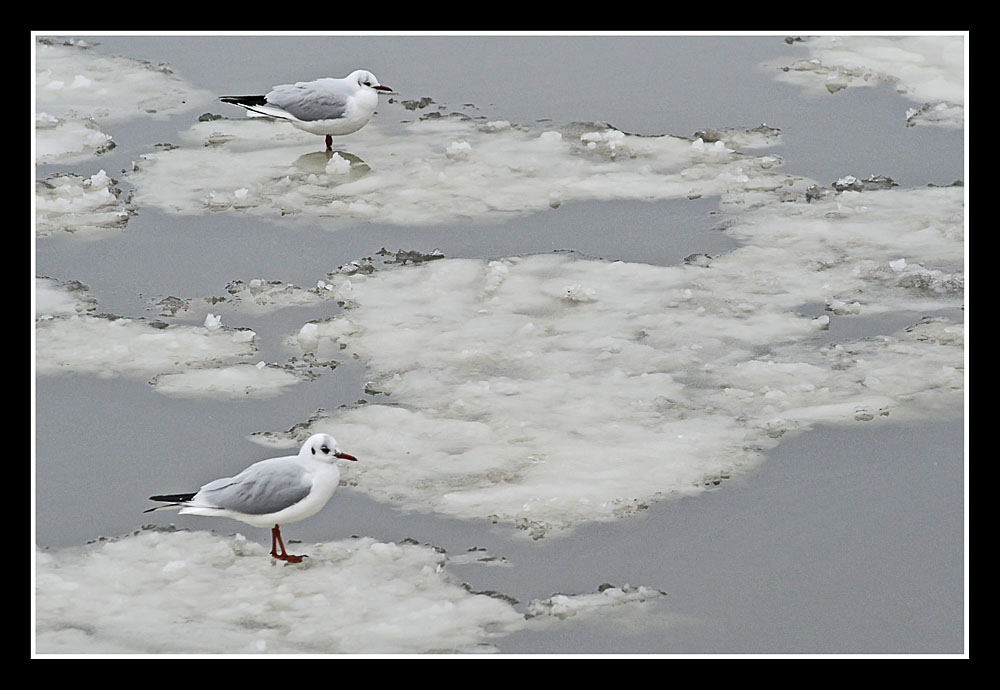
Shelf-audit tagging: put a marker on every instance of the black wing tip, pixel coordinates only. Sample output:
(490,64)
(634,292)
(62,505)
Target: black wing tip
(173,498)
(244,100)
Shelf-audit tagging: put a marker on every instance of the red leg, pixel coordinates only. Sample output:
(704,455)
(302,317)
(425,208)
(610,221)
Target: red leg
(329,142)
(283,556)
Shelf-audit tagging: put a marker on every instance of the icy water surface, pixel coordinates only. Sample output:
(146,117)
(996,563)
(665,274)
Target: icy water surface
(664,357)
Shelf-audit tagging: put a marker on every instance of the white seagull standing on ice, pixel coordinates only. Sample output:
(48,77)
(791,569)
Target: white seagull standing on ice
(333,107)
(271,492)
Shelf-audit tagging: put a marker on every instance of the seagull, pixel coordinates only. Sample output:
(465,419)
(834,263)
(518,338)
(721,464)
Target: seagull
(270,492)
(323,106)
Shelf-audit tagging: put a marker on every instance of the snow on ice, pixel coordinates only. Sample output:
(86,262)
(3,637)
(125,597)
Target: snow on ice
(146,593)
(435,171)
(927,69)
(549,390)
(53,298)
(179,360)
(77,90)
(84,205)
(111,346)
(68,141)
(233,382)
(70,339)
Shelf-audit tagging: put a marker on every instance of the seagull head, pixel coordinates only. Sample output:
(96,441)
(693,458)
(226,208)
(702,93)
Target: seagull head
(365,79)
(324,447)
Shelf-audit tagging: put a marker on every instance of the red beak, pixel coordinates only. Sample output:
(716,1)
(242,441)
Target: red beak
(382,87)
(346,456)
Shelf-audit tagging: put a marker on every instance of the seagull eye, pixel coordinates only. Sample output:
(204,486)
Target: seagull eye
(325,450)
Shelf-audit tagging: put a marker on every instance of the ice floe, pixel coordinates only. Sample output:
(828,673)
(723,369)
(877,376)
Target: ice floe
(255,296)
(929,70)
(73,203)
(161,591)
(437,170)
(70,77)
(108,346)
(210,360)
(260,296)
(550,390)
(68,141)
(78,90)
(259,381)
(838,248)
(55,298)
(70,338)
(565,606)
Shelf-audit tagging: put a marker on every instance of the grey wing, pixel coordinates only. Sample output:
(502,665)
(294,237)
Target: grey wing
(308,101)
(264,487)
